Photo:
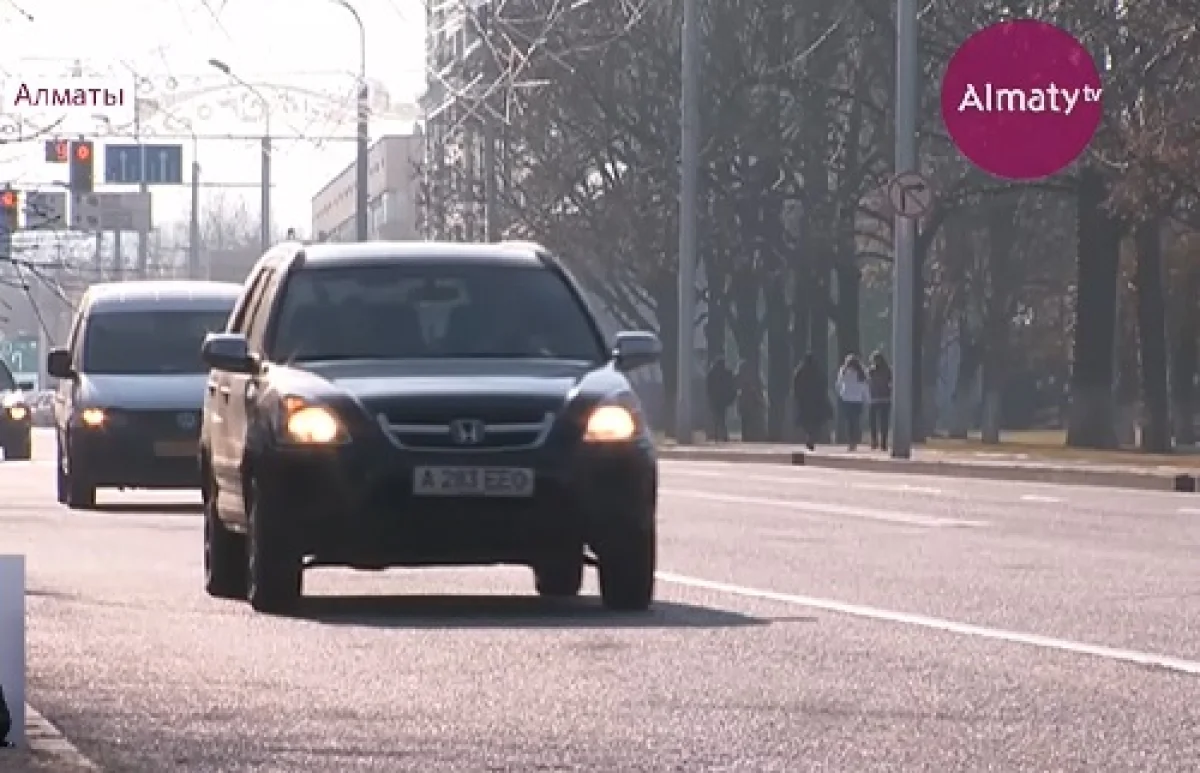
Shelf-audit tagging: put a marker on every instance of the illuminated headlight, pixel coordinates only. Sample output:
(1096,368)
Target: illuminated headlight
(17,411)
(610,423)
(311,424)
(93,417)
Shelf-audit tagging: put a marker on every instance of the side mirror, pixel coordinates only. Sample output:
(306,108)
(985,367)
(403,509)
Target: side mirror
(229,352)
(25,386)
(58,364)
(636,349)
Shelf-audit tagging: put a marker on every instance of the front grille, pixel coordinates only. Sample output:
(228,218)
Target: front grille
(166,424)
(443,410)
(434,437)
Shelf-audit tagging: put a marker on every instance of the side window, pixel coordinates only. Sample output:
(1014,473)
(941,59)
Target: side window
(75,339)
(256,323)
(239,322)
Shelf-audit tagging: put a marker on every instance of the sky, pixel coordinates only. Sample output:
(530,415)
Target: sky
(302,54)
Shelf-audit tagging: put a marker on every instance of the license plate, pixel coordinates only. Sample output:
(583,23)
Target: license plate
(176,448)
(473,482)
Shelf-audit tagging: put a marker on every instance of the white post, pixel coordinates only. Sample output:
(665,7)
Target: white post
(12,642)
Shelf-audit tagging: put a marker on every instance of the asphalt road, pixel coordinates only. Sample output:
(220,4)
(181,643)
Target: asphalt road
(809,620)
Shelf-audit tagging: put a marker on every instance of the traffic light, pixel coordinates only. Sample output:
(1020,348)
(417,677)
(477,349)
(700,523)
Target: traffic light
(10,210)
(58,151)
(83,161)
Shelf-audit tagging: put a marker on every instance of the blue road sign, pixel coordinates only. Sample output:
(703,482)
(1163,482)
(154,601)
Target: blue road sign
(123,164)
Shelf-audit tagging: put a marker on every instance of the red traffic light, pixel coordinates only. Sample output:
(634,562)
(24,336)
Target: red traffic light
(8,199)
(83,151)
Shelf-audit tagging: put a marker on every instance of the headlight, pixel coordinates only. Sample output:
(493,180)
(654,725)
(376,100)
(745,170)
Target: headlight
(311,424)
(18,412)
(92,417)
(610,423)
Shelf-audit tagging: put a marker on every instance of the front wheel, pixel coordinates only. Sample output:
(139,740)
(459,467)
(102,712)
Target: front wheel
(626,562)
(19,450)
(74,489)
(225,561)
(560,576)
(275,569)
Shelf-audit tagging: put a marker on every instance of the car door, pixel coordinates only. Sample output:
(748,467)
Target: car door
(221,412)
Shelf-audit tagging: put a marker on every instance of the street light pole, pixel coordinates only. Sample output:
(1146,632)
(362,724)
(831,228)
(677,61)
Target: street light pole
(688,194)
(265,185)
(904,229)
(193,269)
(363,105)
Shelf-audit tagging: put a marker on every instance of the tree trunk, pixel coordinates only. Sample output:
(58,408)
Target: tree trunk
(666,308)
(921,417)
(965,384)
(818,335)
(1125,422)
(779,361)
(848,326)
(1091,417)
(1152,338)
(1184,361)
(998,311)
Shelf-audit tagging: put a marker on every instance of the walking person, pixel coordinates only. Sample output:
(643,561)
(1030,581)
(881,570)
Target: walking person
(810,399)
(722,391)
(879,377)
(854,395)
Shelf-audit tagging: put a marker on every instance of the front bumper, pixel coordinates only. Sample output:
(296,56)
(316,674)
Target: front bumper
(355,505)
(135,458)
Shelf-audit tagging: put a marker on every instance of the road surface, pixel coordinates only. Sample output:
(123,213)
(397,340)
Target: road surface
(809,620)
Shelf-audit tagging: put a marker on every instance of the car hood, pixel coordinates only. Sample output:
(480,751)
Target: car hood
(426,388)
(174,392)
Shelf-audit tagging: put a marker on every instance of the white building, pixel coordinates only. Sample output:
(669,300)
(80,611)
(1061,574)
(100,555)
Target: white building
(393,185)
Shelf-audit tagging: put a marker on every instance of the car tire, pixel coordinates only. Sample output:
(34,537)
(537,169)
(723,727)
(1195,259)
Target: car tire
(20,451)
(560,576)
(225,564)
(74,489)
(625,563)
(274,569)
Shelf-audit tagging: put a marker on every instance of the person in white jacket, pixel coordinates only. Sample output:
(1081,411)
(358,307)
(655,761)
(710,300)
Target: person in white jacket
(854,393)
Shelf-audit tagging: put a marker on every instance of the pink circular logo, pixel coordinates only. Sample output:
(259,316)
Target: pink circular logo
(1021,99)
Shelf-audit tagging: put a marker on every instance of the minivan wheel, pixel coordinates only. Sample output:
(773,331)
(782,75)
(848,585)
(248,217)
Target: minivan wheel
(74,489)
(626,562)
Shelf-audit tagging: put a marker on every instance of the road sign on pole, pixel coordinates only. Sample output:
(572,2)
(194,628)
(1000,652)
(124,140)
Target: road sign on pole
(112,212)
(45,210)
(910,195)
(123,164)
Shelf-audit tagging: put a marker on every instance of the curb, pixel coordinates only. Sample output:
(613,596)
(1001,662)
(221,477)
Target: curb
(47,745)
(1148,481)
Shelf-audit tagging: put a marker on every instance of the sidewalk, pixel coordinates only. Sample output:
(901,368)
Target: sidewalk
(48,752)
(994,466)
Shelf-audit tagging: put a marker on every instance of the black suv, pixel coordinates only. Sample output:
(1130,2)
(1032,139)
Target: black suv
(16,419)
(407,404)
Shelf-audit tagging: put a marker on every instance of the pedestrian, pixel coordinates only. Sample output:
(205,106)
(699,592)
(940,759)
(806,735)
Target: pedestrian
(722,391)
(853,393)
(810,398)
(5,720)
(879,377)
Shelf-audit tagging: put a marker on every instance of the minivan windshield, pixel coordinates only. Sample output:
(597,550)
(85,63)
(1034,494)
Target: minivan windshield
(148,342)
(433,310)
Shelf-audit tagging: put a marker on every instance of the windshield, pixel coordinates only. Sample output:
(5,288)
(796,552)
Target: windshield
(397,311)
(148,342)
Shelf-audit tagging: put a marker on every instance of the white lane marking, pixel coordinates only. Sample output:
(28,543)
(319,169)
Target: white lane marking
(1040,498)
(820,508)
(1189,510)
(809,480)
(1180,665)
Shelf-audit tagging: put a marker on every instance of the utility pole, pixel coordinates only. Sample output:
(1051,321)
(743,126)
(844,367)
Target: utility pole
(490,176)
(688,195)
(904,229)
(143,190)
(193,270)
(265,188)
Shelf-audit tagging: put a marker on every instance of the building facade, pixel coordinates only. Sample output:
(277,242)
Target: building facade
(393,187)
